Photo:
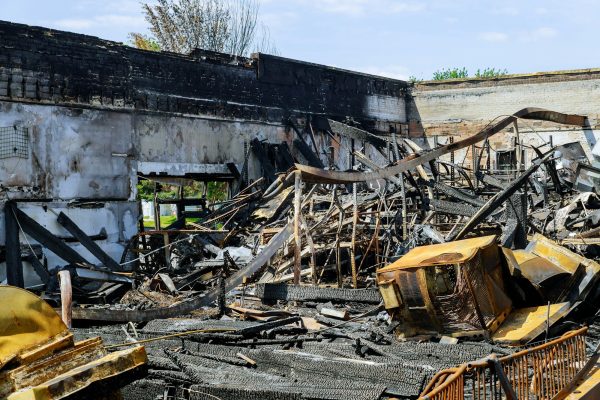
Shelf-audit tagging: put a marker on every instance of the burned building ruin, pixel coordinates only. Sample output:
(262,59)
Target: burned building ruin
(375,234)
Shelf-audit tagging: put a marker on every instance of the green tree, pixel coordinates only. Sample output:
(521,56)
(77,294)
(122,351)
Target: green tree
(226,26)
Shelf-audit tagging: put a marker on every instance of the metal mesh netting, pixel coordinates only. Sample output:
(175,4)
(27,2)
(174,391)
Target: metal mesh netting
(14,142)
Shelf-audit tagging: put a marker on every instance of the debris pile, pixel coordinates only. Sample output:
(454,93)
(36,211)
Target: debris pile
(317,283)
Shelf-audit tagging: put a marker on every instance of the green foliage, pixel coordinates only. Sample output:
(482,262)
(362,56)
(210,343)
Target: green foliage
(193,191)
(143,42)
(450,73)
(216,191)
(165,220)
(490,73)
(145,190)
(458,73)
(413,79)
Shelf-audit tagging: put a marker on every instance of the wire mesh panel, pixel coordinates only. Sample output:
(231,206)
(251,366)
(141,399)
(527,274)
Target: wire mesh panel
(14,142)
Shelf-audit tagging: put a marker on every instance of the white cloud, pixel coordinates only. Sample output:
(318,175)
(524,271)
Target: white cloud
(106,21)
(390,71)
(279,20)
(361,7)
(74,23)
(496,37)
(538,34)
(506,11)
(406,7)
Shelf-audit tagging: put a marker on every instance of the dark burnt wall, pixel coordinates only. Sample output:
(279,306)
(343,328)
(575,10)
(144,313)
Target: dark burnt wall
(43,65)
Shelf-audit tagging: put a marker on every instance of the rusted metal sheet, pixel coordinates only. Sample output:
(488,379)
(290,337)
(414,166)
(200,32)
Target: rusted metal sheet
(454,288)
(311,174)
(440,254)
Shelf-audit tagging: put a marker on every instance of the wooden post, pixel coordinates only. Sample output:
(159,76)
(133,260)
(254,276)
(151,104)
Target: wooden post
(156,208)
(402,188)
(14,264)
(297,238)
(338,259)
(167,250)
(518,152)
(66,297)
(404,212)
(311,246)
(474,164)
(353,240)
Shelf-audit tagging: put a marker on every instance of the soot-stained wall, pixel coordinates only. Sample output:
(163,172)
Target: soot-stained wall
(98,112)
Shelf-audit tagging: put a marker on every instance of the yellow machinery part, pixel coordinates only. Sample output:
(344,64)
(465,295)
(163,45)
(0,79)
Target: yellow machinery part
(525,324)
(28,323)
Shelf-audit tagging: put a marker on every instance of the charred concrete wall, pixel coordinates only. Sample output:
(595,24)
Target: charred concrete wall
(456,108)
(97,113)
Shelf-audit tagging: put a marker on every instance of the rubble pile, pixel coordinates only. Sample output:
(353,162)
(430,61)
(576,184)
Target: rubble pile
(315,283)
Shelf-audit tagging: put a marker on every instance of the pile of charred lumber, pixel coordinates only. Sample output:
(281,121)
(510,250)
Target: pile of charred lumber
(311,268)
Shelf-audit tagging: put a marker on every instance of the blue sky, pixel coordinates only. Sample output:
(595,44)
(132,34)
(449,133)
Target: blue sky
(395,38)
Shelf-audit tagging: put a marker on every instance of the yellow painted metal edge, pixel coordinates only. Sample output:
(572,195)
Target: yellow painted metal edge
(27,375)
(588,388)
(431,255)
(525,324)
(79,378)
(29,327)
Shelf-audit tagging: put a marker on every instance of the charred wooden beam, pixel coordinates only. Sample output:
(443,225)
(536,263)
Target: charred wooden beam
(87,242)
(496,201)
(455,193)
(48,239)
(352,132)
(38,267)
(14,264)
(262,156)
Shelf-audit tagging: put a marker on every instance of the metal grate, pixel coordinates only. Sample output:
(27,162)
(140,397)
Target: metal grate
(14,142)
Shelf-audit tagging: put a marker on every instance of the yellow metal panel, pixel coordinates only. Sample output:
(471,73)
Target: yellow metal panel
(81,377)
(390,295)
(523,325)
(38,372)
(26,322)
(587,388)
(441,254)
(558,255)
